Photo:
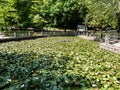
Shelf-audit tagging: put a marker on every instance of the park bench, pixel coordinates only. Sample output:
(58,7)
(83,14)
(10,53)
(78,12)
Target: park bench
(81,29)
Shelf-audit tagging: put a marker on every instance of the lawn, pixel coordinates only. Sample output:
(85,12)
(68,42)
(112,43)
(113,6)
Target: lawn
(58,63)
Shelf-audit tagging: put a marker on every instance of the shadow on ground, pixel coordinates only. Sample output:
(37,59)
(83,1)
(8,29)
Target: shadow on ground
(32,71)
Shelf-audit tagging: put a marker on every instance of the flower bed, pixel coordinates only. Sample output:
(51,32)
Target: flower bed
(58,63)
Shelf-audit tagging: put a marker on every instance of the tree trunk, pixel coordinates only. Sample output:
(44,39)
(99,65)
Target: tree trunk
(118,22)
(65,26)
(118,18)
(101,35)
(65,30)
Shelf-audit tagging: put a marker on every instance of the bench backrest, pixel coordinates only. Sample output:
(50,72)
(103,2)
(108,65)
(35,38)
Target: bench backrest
(81,28)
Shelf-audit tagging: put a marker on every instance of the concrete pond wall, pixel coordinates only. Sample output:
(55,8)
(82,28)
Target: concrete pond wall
(111,47)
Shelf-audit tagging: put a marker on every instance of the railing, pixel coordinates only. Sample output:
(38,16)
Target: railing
(20,34)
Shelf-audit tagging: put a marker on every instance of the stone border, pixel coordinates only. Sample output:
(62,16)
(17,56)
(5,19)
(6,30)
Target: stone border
(9,39)
(110,47)
(19,39)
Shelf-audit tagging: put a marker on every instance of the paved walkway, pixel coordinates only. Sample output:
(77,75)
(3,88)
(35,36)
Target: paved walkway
(3,37)
(117,45)
(87,37)
(111,47)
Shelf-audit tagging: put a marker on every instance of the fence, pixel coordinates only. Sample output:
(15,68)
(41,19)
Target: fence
(20,34)
(112,37)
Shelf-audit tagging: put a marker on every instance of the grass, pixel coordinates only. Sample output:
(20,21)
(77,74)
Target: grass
(58,63)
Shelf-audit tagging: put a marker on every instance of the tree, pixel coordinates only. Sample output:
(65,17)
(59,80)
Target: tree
(117,3)
(101,14)
(23,11)
(63,13)
(6,17)
(37,16)
(38,13)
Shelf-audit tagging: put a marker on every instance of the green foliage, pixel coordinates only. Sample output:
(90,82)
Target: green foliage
(23,12)
(7,16)
(37,17)
(101,14)
(59,13)
(58,63)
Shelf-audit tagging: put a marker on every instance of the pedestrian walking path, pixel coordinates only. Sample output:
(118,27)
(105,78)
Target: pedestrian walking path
(87,37)
(3,36)
(117,45)
(110,47)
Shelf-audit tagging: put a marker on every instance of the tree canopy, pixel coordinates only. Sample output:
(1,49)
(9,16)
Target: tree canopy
(101,13)
(59,13)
